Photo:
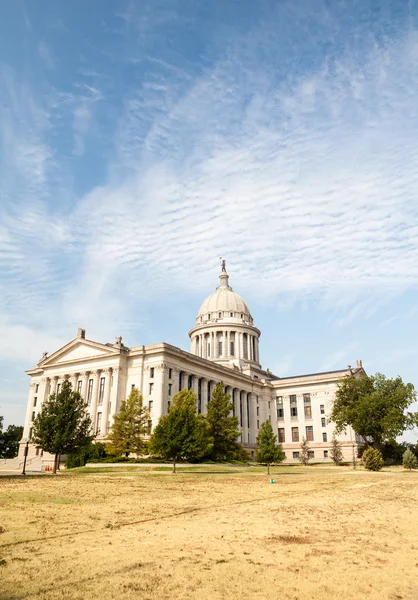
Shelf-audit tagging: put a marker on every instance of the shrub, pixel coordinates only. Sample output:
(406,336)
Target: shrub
(409,460)
(372,459)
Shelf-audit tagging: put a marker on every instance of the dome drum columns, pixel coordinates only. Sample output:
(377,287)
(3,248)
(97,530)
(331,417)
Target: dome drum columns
(224,330)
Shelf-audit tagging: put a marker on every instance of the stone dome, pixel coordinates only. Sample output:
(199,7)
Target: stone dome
(224,300)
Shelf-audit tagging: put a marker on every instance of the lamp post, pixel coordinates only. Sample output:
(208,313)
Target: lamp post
(354,457)
(25,456)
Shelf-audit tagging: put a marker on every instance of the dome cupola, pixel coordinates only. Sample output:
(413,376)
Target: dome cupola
(224,330)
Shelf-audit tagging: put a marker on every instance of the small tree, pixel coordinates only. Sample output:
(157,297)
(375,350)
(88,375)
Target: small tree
(9,440)
(182,433)
(372,459)
(63,424)
(336,451)
(409,460)
(304,452)
(267,450)
(223,426)
(129,426)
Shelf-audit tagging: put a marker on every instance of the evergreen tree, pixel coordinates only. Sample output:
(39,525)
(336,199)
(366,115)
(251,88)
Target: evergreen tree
(268,451)
(9,440)
(336,452)
(223,426)
(304,452)
(372,459)
(182,434)
(409,460)
(63,424)
(129,426)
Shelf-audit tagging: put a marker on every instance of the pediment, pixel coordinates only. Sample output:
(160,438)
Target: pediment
(79,350)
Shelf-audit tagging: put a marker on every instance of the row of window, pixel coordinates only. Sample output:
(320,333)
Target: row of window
(311,454)
(222,314)
(295,434)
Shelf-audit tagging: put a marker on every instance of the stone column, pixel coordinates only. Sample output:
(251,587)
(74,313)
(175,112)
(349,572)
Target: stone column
(224,349)
(204,391)
(47,388)
(93,408)
(114,394)
(215,350)
(241,345)
(248,347)
(85,385)
(106,402)
(228,338)
(55,384)
(243,402)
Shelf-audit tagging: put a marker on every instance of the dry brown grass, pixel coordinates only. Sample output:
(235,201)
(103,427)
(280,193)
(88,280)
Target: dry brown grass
(318,533)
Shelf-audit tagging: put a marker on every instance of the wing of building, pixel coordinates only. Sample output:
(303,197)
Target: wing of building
(224,347)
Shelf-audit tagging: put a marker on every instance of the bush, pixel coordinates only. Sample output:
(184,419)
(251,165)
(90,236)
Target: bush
(94,452)
(409,460)
(372,459)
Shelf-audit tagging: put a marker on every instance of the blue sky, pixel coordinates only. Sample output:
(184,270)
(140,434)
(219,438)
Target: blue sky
(140,141)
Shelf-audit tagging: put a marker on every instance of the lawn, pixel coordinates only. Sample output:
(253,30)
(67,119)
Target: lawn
(139,532)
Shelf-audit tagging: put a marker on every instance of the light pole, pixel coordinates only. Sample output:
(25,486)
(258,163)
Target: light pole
(25,456)
(354,457)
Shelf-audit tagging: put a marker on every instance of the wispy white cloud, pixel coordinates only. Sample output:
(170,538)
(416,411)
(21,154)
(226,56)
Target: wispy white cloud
(303,178)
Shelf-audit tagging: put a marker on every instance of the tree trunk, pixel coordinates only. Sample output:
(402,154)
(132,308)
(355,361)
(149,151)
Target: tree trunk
(55,464)
(268,468)
(174,466)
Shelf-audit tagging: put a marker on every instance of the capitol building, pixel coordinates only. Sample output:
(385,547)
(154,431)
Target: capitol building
(224,346)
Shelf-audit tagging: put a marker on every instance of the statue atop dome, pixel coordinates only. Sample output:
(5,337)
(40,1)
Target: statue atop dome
(223,264)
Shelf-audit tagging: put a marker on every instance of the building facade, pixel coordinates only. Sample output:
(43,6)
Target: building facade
(224,347)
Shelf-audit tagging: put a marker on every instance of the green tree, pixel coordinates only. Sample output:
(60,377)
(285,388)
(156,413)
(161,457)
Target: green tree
(223,426)
(409,460)
(63,424)
(182,434)
(304,452)
(336,451)
(268,451)
(9,440)
(375,407)
(129,426)
(372,459)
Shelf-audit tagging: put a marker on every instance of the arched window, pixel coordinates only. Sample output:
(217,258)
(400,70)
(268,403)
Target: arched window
(220,315)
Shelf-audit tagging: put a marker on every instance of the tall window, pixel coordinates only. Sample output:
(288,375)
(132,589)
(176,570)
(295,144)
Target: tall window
(322,408)
(219,348)
(293,407)
(170,387)
(295,434)
(281,435)
(33,415)
(189,382)
(209,316)
(231,314)
(180,380)
(90,390)
(36,388)
(151,387)
(99,422)
(151,372)
(309,433)
(168,406)
(324,437)
(149,427)
(295,454)
(220,315)
(280,410)
(208,350)
(58,388)
(102,387)
(150,405)
(170,373)
(132,387)
(325,453)
(35,400)
(79,386)
(258,424)
(306,398)
(308,411)
(232,349)
(323,422)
